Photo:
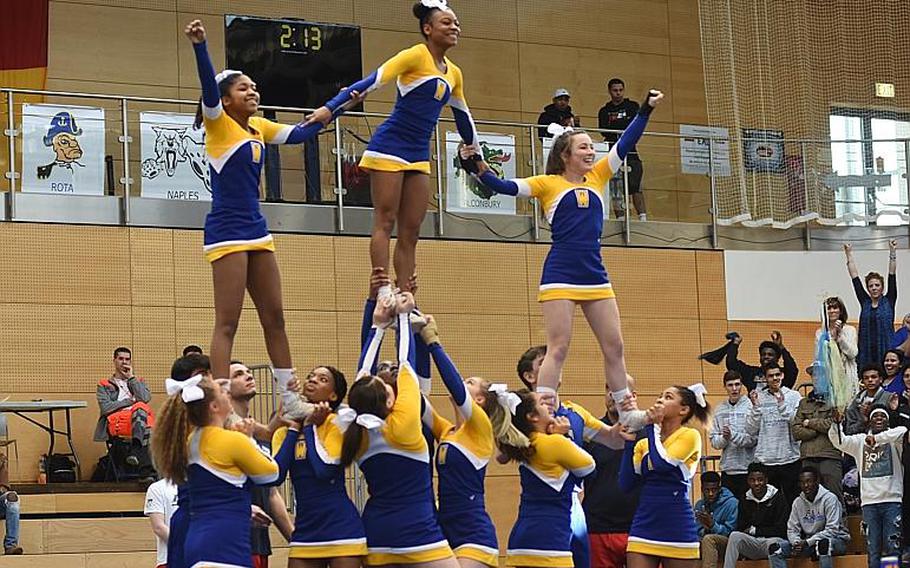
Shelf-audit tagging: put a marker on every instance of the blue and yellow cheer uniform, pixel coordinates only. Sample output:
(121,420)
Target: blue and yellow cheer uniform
(399,517)
(664,524)
(177,529)
(542,534)
(235,157)
(328,525)
(222,466)
(402,142)
(573,269)
(461,463)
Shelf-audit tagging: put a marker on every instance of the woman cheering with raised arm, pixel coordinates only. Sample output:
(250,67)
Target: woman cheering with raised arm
(398,155)
(571,194)
(876,316)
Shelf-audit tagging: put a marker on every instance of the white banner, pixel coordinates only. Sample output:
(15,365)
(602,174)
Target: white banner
(600,151)
(464,194)
(693,152)
(174,165)
(62,149)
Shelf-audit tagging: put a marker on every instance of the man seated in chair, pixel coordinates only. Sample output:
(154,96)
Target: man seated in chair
(9,510)
(125,414)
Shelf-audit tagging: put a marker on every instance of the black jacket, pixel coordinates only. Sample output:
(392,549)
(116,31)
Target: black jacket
(608,509)
(750,373)
(769,516)
(550,115)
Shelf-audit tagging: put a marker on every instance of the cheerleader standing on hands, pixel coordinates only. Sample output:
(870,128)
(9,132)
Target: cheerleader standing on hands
(398,155)
(571,194)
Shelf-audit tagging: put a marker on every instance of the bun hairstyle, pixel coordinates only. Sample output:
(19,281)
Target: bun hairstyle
(224,87)
(697,411)
(423,14)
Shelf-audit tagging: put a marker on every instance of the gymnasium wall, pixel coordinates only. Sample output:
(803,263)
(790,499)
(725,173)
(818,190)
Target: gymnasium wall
(514,55)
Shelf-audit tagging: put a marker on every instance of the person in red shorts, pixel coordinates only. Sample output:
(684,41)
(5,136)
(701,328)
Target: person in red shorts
(608,509)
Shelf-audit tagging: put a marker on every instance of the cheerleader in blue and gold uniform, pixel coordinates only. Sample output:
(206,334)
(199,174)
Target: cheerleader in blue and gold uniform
(330,532)
(398,155)
(382,433)
(217,466)
(483,417)
(663,530)
(571,195)
(549,469)
(237,241)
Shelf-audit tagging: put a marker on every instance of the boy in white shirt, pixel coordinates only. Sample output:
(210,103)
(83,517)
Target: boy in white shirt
(878,456)
(160,504)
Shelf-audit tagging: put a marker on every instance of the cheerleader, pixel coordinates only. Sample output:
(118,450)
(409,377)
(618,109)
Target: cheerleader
(572,198)
(237,240)
(190,447)
(398,155)
(663,530)
(483,417)
(382,433)
(330,533)
(550,465)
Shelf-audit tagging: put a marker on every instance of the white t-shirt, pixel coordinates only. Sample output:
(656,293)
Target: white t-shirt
(161,497)
(123,387)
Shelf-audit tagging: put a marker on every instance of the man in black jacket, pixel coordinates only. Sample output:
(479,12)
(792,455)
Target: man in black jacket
(772,351)
(761,527)
(558,112)
(616,115)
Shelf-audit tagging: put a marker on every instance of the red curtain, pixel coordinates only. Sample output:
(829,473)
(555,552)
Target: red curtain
(23,43)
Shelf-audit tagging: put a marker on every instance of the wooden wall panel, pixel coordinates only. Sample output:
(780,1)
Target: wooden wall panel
(133,46)
(152,281)
(712,295)
(313,10)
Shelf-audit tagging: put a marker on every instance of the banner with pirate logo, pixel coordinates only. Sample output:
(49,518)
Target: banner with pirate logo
(174,165)
(464,193)
(62,149)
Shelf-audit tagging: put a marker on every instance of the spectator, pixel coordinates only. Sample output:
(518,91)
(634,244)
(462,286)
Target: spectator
(772,409)
(558,112)
(900,416)
(893,364)
(768,352)
(125,413)
(876,317)
(730,437)
(616,115)
(856,419)
(268,504)
(529,366)
(845,337)
(9,510)
(902,337)
(810,427)
(761,527)
(716,514)
(816,526)
(160,505)
(878,455)
(608,509)
(192,349)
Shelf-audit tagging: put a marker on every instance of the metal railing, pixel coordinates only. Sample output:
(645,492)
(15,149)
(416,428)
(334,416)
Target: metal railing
(348,218)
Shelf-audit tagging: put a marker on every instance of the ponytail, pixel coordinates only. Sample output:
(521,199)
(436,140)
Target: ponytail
(351,444)
(513,433)
(697,411)
(368,395)
(169,437)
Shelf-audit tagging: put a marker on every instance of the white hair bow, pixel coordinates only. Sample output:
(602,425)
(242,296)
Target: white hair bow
(348,416)
(699,390)
(558,129)
(189,389)
(441,4)
(508,400)
(225,74)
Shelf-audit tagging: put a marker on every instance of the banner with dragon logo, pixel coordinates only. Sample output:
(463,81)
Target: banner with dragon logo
(464,194)
(174,165)
(62,149)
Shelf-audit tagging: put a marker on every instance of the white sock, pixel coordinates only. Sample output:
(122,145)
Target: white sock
(642,216)
(384,291)
(283,376)
(620,395)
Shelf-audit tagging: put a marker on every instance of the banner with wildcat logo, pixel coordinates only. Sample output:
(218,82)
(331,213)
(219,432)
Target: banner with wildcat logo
(62,149)
(174,165)
(464,194)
